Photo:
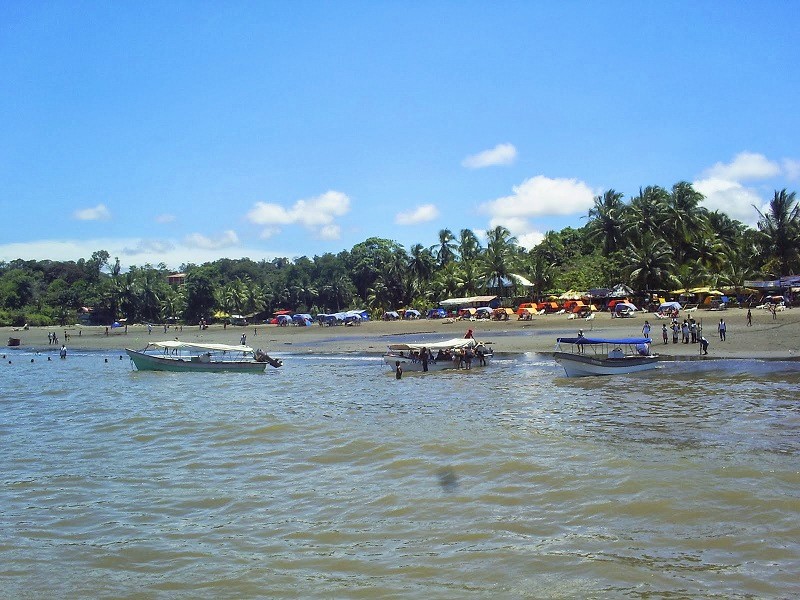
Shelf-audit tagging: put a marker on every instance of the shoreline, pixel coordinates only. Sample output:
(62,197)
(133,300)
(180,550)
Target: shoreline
(767,339)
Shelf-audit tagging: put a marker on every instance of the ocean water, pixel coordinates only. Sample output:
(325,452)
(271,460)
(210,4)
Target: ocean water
(328,478)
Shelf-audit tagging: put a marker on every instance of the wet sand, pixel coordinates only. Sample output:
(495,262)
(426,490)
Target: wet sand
(767,338)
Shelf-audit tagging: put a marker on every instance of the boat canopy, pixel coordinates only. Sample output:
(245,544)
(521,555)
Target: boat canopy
(614,341)
(445,345)
(175,344)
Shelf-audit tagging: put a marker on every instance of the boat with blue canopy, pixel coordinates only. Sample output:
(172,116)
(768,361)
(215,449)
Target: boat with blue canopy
(583,356)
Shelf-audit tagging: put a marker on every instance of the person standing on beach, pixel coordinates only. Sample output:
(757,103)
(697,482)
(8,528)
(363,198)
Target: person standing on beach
(646,329)
(722,328)
(749,318)
(703,345)
(424,355)
(665,333)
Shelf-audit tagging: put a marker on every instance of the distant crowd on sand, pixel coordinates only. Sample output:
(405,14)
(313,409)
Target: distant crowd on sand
(691,332)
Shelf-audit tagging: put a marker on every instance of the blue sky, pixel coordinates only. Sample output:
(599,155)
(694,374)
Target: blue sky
(188,131)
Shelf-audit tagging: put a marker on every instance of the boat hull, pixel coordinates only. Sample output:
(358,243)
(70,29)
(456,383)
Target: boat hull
(148,362)
(411,365)
(582,365)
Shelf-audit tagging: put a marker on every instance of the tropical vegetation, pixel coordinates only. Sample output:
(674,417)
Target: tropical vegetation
(660,239)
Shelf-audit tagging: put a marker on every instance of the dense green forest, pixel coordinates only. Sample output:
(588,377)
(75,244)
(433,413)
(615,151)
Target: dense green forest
(659,239)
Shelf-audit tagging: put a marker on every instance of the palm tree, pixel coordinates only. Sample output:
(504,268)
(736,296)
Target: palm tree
(149,299)
(729,231)
(542,274)
(379,296)
(607,221)
(683,218)
(129,296)
(650,264)
(780,227)
(255,299)
(737,268)
(445,250)
(689,275)
(471,274)
(448,282)
(339,291)
(469,246)
(170,306)
(421,263)
(647,210)
(499,259)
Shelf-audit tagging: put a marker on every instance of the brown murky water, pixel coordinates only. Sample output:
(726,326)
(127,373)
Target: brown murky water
(329,478)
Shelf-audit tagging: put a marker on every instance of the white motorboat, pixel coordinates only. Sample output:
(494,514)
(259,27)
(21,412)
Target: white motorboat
(448,354)
(172,355)
(604,356)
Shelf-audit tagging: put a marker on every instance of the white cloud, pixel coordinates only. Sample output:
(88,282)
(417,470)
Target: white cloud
(791,168)
(148,247)
(421,214)
(227,239)
(131,251)
(502,154)
(530,240)
(527,235)
(730,197)
(165,218)
(744,166)
(536,197)
(317,214)
(97,213)
(723,186)
(542,195)
(269,232)
(329,232)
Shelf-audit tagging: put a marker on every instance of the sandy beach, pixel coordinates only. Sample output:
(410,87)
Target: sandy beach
(766,338)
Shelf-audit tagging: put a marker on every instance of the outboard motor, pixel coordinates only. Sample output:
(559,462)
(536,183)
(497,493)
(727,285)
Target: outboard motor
(261,356)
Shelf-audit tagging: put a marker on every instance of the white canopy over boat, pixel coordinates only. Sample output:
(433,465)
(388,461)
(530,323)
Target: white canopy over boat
(175,344)
(445,345)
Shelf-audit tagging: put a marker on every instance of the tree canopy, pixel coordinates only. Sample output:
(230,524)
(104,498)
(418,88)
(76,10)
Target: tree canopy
(659,239)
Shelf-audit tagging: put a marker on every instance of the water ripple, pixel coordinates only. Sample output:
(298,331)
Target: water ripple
(329,478)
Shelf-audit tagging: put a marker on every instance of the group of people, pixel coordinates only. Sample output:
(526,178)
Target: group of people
(689,332)
(462,356)
(52,338)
